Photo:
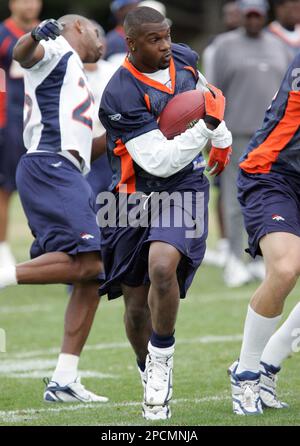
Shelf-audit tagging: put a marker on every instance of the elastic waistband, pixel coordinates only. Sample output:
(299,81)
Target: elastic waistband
(53,155)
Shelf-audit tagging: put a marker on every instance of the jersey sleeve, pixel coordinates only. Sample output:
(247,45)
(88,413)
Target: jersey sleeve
(51,51)
(127,117)
(187,55)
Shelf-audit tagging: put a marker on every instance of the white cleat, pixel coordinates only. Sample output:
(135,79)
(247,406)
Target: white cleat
(219,256)
(236,273)
(159,387)
(6,256)
(72,393)
(153,413)
(245,392)
(143,377)
(257,270)
(268,383)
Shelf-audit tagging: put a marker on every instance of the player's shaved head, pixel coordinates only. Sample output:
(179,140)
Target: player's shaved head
(141,16)
(70,19)
(83,35)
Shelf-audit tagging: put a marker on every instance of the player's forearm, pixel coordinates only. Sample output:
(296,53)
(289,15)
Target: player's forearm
(27,51)
(98,147)
(163,158)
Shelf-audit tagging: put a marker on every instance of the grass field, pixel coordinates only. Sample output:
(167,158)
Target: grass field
(208,339)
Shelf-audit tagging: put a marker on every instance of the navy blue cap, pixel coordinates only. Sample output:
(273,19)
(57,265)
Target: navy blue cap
(118,4)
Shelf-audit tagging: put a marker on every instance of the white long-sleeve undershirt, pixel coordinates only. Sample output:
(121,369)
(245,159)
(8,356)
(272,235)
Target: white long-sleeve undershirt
(161,157)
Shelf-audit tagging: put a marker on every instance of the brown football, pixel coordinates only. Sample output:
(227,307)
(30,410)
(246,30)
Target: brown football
(181,113)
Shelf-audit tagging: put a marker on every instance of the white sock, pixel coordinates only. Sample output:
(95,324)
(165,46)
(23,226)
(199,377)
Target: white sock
(280,346)
(66,370)
(8,276)
(257,332)
(161,351)
(6,256)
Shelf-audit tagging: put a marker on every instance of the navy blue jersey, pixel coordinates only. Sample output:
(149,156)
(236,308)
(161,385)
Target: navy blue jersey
(116,42)
(130,107)
(276,146)
(12,113)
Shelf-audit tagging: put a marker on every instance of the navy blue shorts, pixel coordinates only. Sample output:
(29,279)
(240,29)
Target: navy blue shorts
(59,205)
(270,203)
(100,176)
(12,150)
(125,249)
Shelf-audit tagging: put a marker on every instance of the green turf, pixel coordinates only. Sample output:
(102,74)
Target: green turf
(208,339)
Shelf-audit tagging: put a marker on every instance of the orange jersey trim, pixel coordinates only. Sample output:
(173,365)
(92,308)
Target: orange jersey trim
(2,109)
(146,80)
(127,169)
(5,44)
(282,36)
(261,159)
(148,103)
(13,28)
(192,70)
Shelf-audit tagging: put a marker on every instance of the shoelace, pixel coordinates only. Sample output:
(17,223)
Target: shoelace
(158,372)
(249,390)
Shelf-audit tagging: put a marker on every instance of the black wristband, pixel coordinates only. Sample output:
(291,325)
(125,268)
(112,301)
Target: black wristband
(212,121)
(34,36)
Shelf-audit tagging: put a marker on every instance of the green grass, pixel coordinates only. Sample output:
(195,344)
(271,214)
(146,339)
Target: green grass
(208,339)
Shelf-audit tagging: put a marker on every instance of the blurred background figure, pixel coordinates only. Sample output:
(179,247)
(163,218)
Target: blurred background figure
(159,6)
(231,16)
(116,46)
(99,74)
(248,64)
(286,25)
(24,17)
(231,20)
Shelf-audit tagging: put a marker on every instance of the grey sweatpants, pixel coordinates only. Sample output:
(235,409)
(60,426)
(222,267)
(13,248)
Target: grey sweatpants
(233,219)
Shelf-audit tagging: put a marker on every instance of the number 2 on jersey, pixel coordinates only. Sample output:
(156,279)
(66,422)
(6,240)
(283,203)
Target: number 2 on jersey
(81,109)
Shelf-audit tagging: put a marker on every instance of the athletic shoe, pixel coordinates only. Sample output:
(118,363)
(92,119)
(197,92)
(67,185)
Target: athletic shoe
(245,392)
(72,393)
(257,270)
(268,382)
(219,256)
(236,273)
(153,413)
(6,256)
(158,390)
(143,377)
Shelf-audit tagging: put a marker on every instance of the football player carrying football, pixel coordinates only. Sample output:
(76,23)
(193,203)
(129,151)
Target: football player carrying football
(154,266)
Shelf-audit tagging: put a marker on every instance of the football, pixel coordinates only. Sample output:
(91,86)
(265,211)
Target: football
(181,113)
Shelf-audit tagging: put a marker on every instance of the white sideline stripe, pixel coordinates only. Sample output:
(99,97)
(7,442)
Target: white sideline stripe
(42,373)
(121,345)
(12,416)
(25,309)
(40,368)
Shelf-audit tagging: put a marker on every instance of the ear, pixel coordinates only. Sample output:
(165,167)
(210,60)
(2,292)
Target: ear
(79,26)
(131,43)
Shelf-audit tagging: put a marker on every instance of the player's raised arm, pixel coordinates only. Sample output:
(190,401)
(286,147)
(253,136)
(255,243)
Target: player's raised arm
(28,50)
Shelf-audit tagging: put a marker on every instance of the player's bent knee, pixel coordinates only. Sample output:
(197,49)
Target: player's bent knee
(285,271)
(88,270)
(162,274)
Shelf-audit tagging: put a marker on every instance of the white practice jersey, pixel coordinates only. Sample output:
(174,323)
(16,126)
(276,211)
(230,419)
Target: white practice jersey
(59,108)
(98,78)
